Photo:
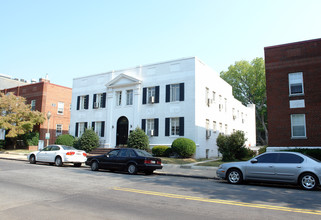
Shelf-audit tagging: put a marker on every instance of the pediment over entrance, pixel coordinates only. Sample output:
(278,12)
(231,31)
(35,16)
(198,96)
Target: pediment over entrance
(123,80)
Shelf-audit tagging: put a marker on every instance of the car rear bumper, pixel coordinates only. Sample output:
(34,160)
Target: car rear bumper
(149,167)
(73,159)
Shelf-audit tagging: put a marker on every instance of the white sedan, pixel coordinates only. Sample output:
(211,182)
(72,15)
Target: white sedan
(58,154)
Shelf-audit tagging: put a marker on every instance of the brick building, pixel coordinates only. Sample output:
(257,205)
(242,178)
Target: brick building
(293,86)
(47,97)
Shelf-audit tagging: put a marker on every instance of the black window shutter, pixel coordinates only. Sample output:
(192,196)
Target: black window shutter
(103,100)
(143,124)
(144,95)
(181,126)
(155,126)
(167,126)
(86,101)
(78,102)
(76,130)
(181,92)
(157,94)
(103,129)
(95,97)
(93,125)
(168,93)
(86,125)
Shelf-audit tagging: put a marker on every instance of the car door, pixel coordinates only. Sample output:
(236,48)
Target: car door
(288,167)
(121,159)
(262,167)
(51,155)
(43,154)
(108,161)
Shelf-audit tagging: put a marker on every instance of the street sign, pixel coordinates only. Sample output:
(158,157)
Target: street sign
(47,136)
(2,134)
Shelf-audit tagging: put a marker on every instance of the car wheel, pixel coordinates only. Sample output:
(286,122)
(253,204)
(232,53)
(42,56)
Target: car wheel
(32,159)
(132,169)
(77,164)
(234,176)
(94,166)
(58,161)
(149,172)
(308,181)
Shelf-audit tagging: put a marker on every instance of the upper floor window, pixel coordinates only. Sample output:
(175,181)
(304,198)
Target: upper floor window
(82,102)
(298,128)
(296,83)
(175,92)
(61,106)
(118,98)
(151,95)
(99,100)
(214,126)
(129,97)
(33,105)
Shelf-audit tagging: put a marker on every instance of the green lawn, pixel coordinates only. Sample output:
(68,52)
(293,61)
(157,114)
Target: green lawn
(167,160)
(24,151)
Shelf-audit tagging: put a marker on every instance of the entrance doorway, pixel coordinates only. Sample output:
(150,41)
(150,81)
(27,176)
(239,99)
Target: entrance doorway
(122,131)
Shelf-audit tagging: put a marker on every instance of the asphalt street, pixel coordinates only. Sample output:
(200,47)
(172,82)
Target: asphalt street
(47,192)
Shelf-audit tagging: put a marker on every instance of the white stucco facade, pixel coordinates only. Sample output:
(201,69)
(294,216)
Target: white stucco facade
(179,98)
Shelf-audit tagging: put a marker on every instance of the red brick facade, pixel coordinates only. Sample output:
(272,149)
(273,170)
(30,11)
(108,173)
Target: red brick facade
(47,97)
(281,60)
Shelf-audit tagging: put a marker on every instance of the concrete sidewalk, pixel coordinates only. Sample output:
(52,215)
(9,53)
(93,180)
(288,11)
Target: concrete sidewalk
(186,170)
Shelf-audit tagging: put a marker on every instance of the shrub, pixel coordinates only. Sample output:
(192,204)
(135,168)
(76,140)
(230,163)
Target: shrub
(138,139)
(184,147)
(65,139)
(88,141)
(262,149)
(161,151)
(31,139)
(232,146)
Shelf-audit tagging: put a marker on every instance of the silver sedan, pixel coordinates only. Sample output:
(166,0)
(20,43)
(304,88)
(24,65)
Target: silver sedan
(282,167)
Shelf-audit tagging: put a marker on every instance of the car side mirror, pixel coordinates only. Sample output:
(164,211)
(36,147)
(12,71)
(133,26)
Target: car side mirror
(254,161)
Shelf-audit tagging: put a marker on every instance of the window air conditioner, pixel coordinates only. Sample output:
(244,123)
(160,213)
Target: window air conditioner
(151,132)
(152,99)
(209,101)
(96,105)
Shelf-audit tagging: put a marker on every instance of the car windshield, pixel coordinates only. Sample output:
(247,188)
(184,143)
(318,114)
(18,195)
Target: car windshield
(68,147)
(143,153)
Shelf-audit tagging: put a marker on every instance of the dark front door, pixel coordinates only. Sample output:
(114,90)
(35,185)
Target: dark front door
(122,131)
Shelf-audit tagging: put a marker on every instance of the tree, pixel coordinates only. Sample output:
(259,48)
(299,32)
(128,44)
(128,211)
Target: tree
(184,147)
(88,141)
(65,139)
(138,139)
(249,87)
(17,117)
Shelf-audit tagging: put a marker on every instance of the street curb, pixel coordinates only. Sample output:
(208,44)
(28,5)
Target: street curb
(188,176)
(5,158)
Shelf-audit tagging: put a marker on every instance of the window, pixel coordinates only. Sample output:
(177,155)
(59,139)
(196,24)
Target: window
(208,131)
(80,128)
(151,95)
(118,98)
(267,158)
(207,98)
(58,130)
(150,127)
(99,100)
(220,106)
(113,153)
(214,96)
(129,97)
(298,126)
(61,106)
(296,83)
(175,92)
(174,126)
(82,102)
(214,127)
(289,158)
(221,128)
(33,105)
(225,104)
(225,128)
(99,128)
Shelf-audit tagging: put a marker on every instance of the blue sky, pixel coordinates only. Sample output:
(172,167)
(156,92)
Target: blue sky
(74,38)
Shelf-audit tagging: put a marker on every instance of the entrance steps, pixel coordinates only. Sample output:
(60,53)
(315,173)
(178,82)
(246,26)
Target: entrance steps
(99,151)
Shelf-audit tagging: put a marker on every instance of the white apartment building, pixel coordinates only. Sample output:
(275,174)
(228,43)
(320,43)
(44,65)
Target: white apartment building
(168,100)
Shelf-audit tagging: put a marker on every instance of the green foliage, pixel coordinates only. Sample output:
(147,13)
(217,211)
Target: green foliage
(161,151)
(31,138)
(65,139)
(17,117)
(184,147)
(138,139)
(262,149)
(249,86)
(316,153)
(232,146)
(88,141)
